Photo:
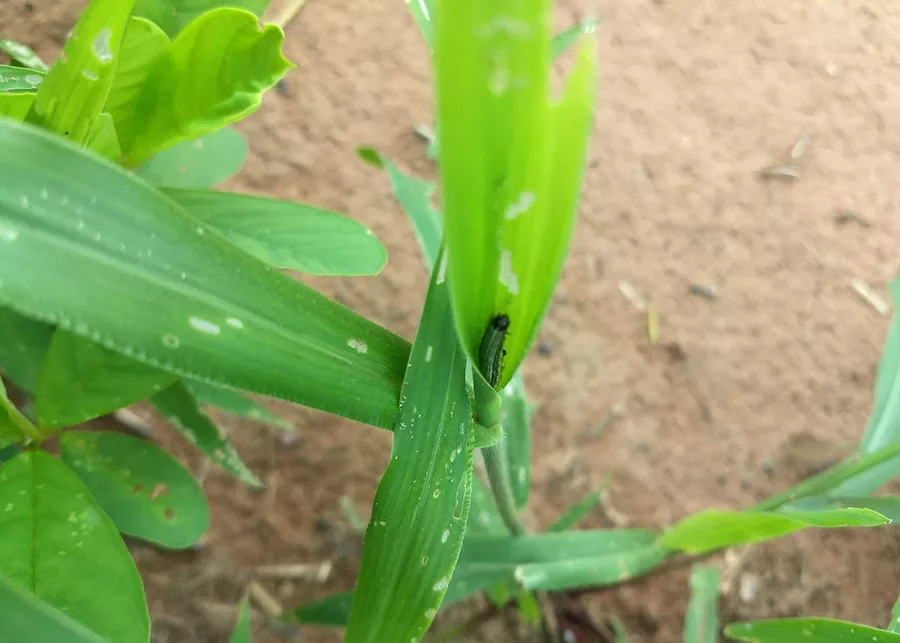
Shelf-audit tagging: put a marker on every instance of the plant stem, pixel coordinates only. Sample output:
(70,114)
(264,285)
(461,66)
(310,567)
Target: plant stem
(498,476)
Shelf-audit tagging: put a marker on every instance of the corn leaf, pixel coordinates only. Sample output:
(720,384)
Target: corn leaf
(172,16)
(713,529)
(287,235)
(25,617)
(126,267)
(72,95)
(22,348)
(516,443)
(145,492)
(552,547)
(82,380)
(701,624)
(57,543)
(820,630)
(241,633)
(19,78)
(236,404)
(212,74)
(103,140)
(511,164)
(201,163)
(887,506)
(405,572)
(179,408)
(22,54)
(16,106)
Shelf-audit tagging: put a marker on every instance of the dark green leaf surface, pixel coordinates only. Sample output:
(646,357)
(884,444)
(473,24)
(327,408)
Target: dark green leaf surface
(179,407)
(287,235)
(22,347)
(814,630)
(146,492)
(26,618)
(241,633)
(236,404)
(405,572)
(174,15)
(72,95)
(214,73)
(129,269)
(701,623)
(82,380)
(201,163)
(57,543)
(713,529)
(22,54)
(19,79)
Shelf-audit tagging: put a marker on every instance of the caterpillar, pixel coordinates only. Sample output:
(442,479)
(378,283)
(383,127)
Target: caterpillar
(491,352)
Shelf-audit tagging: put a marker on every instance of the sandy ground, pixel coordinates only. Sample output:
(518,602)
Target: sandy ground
(747,393)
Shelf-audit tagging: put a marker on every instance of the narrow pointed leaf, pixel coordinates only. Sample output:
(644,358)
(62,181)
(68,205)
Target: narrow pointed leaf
(146,492)
(713,529)
(701,623)
(22,348)
(564,40)
(405,572)
(236,404)
(19,78)
(201,163)
(887,506)
(179,407)
(577,511)
(22,54)
(73,94)
(57,543)
(82,380)
(25,617)
(422,11)
(185,300)
(287,235)
(16,106)
(511,164)
(174,15)
(214,73)
(242,633)
(820,630)
(552,547)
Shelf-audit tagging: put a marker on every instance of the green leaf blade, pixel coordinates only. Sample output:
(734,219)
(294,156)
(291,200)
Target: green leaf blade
(701,624)
(236,404)
(144,491)
(172,16)
(200,163)
(242,633)
(19,79)
(58,544)
(820,630)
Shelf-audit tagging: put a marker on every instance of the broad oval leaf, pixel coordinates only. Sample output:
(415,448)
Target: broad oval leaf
(174,15)
(146,492)
(95,250)
(22,54)
(72,95)
(19,78)
(511,165)
(714,529)
(82,380)
(819,630)
(179,407)
(22,349)
(201,163)
(25,617)
(405,572)
(57,543)
(214,73)
(287,235)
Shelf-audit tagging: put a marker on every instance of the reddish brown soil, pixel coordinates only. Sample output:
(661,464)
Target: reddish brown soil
(746,393)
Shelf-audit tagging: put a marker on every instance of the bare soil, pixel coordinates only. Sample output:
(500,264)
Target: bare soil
(746,393)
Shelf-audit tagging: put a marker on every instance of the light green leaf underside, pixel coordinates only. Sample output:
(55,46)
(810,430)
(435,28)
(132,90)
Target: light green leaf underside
(713,529)
(145,492)
(128,268)
(57,543)
(201,163)
(235,403)
(22,349)
(701,623)
(82,380)
(405,572)
(511,162)
(212,74)
(287,235)
(19,79)
(179,407)
(75,90)
(24,617)
(174,15)
(819,630)
(23,54)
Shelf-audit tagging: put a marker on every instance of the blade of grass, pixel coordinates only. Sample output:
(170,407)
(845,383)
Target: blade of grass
(579,510)
(701,623)
(820,630)
(241,633)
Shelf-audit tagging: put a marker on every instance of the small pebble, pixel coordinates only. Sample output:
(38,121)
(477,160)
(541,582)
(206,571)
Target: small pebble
(282,87)
(288,438)
(545,347)
(702,290)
